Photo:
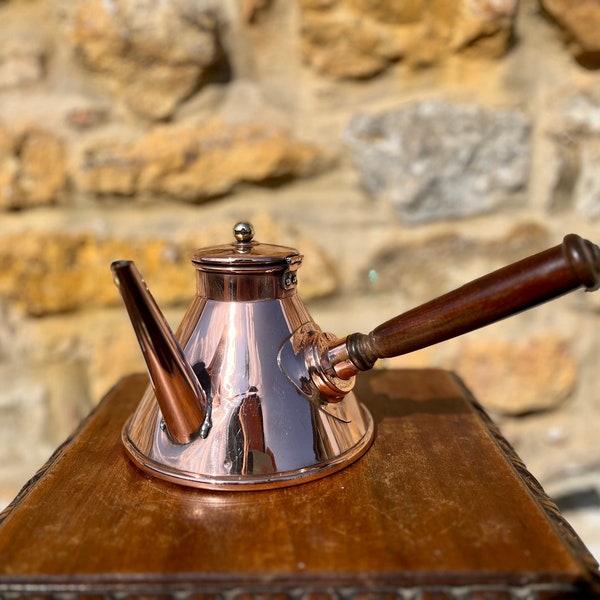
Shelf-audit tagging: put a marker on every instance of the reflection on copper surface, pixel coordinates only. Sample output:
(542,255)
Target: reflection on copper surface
(265,431)
(259,396)
(176,388)
(244,342)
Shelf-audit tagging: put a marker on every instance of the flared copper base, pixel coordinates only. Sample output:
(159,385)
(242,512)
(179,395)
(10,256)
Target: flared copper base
(251,481)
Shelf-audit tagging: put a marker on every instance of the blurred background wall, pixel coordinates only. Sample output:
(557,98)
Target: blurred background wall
(404,147)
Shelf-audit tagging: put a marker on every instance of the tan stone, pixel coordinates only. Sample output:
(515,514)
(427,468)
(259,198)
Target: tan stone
(252,9)
(98,346)
(408,11)
(45,273)
(8,169)
(42,173)
(194,163)
(56,272)
(514,378)
(344,44)
(154,55)
(33,169)
(420,271)
(7,145)
(484,28)
(581,21)
(108,167)
(23,418)
(21,59)
(361,38)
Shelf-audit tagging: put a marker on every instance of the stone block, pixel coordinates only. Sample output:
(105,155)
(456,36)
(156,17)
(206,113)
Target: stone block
(40,405)
(21,60)
(361,38)
(343,45)
(574,130)
(575,110)
(154,54)
(531,375)
(46,272)
(33,168)
(587,188)
(436,160)
(197,162)
(42,174)
(580,20)
(440,262)
(8,168)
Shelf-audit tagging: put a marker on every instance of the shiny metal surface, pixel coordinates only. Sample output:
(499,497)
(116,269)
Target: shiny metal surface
(255,395)
(244,287)
(233,404)
(182,401)
(243,232)
(265,431)
(246,270)
(246,254)
(315,346)
(259,396)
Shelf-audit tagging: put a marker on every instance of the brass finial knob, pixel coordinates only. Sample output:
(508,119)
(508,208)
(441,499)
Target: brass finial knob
(243,232)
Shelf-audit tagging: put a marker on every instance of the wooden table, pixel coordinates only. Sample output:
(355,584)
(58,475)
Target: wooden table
(440,507)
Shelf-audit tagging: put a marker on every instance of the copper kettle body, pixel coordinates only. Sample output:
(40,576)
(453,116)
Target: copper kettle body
(251,394)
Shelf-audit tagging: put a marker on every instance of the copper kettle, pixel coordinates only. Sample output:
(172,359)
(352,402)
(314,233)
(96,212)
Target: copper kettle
(251,394)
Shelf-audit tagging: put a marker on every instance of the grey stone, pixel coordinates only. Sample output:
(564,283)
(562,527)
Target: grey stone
(41,403)
(436,160)
(587,189)
(23,418)
(577,112)
(574,130)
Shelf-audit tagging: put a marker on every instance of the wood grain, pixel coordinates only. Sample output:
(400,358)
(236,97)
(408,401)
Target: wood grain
(495,296)
(439,503)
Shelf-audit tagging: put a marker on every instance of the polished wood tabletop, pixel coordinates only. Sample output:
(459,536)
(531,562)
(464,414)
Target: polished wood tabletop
(440,506)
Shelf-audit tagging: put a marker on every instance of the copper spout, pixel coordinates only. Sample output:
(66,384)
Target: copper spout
(181,399)
(574,263)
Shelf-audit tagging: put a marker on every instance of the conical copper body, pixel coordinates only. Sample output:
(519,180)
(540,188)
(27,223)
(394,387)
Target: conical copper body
(265,424)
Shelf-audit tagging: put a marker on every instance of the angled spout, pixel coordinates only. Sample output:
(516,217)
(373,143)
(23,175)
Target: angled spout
(181,399)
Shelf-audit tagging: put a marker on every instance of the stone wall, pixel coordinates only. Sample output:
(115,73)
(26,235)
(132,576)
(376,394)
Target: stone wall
(404,147)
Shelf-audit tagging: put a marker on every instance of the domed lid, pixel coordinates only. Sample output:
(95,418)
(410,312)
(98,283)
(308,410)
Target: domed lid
(245,254)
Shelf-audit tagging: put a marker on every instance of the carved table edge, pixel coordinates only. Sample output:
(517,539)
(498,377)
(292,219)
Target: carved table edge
(564,528)
(340,587)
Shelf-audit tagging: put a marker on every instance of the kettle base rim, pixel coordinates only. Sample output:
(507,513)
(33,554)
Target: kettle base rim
(251,482)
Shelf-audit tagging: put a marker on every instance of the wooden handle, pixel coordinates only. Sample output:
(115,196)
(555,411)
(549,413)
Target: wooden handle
(522,285)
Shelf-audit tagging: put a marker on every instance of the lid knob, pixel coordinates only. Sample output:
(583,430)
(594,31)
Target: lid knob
(243,232)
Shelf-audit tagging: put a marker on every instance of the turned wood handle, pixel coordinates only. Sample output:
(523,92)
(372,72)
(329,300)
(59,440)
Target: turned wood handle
(524,284)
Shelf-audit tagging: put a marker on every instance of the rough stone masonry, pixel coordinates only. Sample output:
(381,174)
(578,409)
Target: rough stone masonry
(404,147)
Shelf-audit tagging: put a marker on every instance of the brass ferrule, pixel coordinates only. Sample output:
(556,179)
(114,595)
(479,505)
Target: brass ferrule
(321,371)
(338,360)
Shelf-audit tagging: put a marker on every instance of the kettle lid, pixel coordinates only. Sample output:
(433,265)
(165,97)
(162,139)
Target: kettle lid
(245,253)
